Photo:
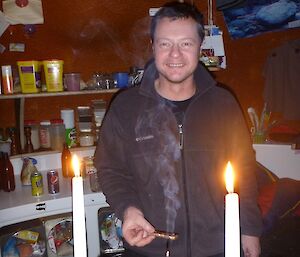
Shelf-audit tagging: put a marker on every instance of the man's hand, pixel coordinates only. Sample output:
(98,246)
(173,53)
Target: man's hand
(137,231)
(251,246)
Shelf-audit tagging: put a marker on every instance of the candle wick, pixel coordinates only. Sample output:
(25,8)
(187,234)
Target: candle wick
(168,248)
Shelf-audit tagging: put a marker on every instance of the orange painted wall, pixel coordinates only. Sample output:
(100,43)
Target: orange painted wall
(109,36)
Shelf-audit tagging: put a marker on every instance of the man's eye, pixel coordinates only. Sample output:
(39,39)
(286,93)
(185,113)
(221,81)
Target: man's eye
(186,44)
(164,44)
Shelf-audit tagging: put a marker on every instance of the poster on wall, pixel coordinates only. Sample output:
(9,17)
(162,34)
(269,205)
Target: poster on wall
(260,16)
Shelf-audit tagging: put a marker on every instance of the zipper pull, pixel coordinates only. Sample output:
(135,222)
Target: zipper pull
(180,127)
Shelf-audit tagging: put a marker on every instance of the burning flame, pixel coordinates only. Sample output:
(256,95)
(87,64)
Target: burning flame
(229,178)
(75,164)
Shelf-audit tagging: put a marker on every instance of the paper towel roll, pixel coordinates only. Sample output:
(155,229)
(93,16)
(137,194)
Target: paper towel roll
(67,116)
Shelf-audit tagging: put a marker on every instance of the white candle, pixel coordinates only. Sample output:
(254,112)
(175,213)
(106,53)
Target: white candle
(232,219)
(79,232)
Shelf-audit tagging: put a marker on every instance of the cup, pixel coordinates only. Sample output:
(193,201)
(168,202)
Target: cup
(72,81)
(121,78)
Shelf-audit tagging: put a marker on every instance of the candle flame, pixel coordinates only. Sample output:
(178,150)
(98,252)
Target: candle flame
(75,164)
(229,178)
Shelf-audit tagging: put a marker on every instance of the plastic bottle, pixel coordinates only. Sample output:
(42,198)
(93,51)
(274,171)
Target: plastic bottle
(66,162)
(45,139)
(7,80)
(57,134)
(7,176)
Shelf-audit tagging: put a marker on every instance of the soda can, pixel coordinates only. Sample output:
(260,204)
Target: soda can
(37,184)
(53,182)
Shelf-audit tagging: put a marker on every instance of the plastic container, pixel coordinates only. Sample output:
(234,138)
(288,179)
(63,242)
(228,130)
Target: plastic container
(35,138)
(30,76)
(58,131)
(45,134)
(67,116)
(54,75)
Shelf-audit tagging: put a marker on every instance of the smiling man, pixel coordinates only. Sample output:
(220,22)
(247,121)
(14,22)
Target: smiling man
(164,146)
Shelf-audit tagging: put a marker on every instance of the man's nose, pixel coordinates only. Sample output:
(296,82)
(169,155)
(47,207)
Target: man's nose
(175,51)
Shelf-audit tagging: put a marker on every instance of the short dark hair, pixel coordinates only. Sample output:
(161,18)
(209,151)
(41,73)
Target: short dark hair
(177,10)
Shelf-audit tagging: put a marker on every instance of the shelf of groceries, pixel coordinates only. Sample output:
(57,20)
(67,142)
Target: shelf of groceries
(63,93)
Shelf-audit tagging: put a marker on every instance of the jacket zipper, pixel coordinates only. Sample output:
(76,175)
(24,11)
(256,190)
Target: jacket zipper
(180,137)
(181,142)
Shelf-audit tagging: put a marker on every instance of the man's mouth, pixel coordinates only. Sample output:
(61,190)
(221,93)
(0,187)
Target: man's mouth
(175,65)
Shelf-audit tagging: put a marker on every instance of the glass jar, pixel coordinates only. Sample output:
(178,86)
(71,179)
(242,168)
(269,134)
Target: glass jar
(86,138)
(35,138)
(58,131)
(92,173)
(45,134)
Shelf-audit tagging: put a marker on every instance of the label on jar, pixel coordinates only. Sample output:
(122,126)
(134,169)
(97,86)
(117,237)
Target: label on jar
(45,137)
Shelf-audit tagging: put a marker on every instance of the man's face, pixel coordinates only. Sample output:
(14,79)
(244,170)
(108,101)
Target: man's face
(176,49)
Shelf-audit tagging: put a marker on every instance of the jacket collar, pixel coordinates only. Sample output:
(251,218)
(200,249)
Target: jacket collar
(204,80)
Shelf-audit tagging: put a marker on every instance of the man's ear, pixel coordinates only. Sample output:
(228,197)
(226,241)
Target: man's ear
(152,46)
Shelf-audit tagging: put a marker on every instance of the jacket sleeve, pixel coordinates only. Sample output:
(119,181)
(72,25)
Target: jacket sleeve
(244,163)
(115,178)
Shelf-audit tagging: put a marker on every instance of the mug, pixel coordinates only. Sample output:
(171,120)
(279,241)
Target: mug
(121,79)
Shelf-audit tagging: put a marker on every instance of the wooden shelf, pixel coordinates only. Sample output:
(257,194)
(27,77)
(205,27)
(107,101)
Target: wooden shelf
(64,93)
(20,101)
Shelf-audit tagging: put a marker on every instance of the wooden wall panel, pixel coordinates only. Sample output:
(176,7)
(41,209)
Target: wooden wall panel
(112,35)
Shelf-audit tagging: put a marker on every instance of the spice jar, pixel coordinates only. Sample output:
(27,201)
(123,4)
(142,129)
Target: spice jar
(57,134)
(45,139)
(86,138)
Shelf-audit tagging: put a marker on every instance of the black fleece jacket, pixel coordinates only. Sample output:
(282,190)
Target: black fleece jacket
(175,176)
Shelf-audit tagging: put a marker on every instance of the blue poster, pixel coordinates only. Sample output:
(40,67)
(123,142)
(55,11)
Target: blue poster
(259,16)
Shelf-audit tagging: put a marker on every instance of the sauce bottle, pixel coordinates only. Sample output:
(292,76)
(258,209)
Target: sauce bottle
(28,147)
(66,162)
(7,176)
(14,147)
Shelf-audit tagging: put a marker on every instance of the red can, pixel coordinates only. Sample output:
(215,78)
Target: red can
(53,181)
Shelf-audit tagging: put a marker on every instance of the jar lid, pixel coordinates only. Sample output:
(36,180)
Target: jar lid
(56,121)
(45,122)
(30,122)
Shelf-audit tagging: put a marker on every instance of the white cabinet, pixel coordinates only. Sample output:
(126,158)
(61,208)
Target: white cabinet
(20,205)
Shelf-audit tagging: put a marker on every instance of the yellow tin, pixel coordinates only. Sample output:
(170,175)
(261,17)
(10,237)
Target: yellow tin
(30,76)
(54,75)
